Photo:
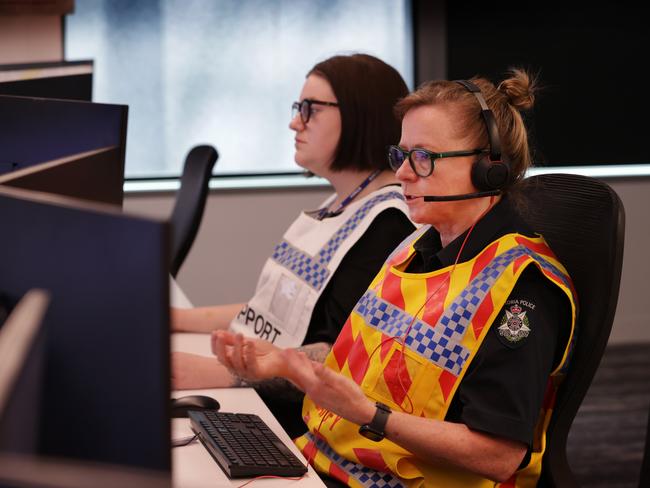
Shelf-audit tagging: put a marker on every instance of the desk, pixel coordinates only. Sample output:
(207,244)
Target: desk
(192,465)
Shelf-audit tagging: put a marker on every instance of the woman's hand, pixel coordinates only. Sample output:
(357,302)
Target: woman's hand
(190,371)
(255,360)
(250,359)
(328,389)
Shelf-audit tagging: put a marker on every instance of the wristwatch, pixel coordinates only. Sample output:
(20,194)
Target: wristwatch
(375,429)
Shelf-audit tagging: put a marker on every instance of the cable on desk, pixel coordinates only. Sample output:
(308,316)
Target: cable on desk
(291,478)
(184,441)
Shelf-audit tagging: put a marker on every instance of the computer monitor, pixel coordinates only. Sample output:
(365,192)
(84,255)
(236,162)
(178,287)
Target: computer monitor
(35,130)
(93,175)
(22,353)
(106,378)
(18,471)
(68,80)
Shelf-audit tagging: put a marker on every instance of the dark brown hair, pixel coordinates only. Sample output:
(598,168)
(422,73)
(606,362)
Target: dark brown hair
(366,89)
(515,93)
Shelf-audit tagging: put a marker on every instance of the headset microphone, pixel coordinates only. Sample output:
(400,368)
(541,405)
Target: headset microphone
(462,196)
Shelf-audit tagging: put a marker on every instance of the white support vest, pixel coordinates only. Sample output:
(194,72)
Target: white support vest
(302,264)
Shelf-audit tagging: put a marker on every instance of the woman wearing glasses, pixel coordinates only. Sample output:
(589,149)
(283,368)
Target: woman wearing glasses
(446,371)
(343,123)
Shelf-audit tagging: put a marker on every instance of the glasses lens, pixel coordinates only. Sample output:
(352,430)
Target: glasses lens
(395,157)
(421,162)
(305,111)
(295,108)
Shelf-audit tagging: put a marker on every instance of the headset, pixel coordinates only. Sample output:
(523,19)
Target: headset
(492,171)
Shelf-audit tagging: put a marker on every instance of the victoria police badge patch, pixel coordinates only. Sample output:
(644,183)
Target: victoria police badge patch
(514,326)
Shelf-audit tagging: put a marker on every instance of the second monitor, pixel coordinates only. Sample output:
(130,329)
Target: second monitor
(36,130)
(96,176)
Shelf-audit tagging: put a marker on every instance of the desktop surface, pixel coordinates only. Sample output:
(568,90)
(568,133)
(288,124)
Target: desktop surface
(192,465)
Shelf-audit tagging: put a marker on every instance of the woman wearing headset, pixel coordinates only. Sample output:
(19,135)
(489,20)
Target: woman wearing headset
(445,372)
(343,122)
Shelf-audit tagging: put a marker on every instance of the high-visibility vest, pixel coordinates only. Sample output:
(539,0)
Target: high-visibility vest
(302,264)
(419,372)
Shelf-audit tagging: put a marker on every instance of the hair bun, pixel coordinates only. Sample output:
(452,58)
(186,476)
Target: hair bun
(520,88)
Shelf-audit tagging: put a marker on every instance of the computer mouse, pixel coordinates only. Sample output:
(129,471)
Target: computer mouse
(181,405)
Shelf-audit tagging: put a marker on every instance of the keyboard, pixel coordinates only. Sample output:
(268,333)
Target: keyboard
(243,445)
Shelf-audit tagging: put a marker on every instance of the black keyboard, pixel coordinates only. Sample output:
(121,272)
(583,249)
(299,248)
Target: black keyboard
(243,445)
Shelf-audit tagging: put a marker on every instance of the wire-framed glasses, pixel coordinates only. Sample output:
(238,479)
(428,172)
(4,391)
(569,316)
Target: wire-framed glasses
(304,108)
(422,161)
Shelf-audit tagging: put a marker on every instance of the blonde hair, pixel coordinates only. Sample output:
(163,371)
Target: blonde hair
(513,95)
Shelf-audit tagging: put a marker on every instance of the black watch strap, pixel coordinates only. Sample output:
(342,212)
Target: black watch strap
(375,430)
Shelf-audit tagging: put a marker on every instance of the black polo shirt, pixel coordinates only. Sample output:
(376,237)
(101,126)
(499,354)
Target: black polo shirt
(503,388)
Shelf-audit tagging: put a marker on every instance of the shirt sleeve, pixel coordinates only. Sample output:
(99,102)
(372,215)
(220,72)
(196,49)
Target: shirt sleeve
(355,272)
(503,389)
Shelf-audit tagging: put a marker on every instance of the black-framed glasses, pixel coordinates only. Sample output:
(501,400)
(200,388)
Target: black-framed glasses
(422,161)
(304,108)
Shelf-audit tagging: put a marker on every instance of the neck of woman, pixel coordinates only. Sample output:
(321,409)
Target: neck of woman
(472,212)
(346,181)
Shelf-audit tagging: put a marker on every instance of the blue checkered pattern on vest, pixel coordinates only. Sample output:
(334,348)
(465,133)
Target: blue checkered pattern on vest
(313,270)
(368,477)
(421,338)
(457,316)
(548,266)
(440,344)
(565,279)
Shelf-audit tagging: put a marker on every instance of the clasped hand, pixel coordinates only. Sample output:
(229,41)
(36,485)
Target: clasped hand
(250,359)
(255,360)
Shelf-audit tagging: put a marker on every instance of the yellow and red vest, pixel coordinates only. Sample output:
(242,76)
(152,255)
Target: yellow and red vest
(439,320)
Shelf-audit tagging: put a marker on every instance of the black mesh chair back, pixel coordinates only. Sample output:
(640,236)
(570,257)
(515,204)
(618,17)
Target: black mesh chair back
(583,221)
(190,202)
(644,478)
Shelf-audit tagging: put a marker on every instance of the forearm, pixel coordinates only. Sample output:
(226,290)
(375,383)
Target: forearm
(434,441)
(454,443)
(203,319)
(192,371)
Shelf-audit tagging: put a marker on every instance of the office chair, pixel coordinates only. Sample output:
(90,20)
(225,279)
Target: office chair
(583,221)
(190,202)
(644,478)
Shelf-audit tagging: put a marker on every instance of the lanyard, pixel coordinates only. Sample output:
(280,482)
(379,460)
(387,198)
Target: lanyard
(323,212)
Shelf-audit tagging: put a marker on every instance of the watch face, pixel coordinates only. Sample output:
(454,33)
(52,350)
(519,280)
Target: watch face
(367,432)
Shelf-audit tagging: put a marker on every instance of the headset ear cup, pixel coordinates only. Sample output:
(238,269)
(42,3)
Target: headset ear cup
(490,175)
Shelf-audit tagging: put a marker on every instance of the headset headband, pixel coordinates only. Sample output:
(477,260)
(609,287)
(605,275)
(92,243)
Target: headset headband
(488,117)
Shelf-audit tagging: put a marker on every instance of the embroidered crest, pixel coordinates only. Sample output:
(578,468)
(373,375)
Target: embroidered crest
(514,325)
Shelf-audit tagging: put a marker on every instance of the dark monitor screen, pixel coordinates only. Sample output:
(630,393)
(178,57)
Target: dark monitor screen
(69,80)
(34,130)
(106,381)
(22,352)
(19,471)
(94,175)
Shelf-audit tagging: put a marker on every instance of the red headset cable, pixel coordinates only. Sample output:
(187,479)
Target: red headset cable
(402,342)
(434,293)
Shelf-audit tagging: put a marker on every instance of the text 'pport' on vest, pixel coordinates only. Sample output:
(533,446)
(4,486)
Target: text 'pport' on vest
(262,328)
